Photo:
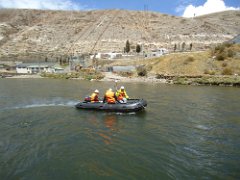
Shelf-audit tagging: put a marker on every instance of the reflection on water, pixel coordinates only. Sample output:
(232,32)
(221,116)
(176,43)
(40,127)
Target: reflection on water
(109,127)
(110,124)
(186,132)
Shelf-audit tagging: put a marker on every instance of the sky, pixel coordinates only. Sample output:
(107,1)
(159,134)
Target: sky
(185,8)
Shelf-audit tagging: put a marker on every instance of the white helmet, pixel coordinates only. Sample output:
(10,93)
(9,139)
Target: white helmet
(122,87)
(96,91)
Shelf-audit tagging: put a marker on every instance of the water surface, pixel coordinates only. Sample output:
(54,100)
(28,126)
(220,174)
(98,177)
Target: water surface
(186,132)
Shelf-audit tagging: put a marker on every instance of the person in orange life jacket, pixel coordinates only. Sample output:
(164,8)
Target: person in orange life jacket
(122,95)
(94,96)
(110,97)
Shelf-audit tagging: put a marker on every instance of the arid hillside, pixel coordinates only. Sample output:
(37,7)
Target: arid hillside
(36,34)
(224,59)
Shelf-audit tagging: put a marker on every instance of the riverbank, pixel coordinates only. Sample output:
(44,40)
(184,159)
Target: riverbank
(212,80)
(207,80)
(109,76)
(32,76)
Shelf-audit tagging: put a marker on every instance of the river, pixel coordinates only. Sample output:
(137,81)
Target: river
(186,132)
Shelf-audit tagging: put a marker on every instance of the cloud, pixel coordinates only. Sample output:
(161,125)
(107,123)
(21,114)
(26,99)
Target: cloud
(210,6)
(42,4)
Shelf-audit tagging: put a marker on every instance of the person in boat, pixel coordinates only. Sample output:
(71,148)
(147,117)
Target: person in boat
(110,97)
(94,96)
(122,95)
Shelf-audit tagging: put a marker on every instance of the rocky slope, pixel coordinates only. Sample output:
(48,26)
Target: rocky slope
(37,35)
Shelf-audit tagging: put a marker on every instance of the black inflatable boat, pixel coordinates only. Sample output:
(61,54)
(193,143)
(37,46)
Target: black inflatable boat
(132,105)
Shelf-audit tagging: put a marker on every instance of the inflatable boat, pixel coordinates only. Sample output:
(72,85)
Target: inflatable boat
(132,105)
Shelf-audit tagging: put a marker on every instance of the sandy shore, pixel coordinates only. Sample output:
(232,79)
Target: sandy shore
(150,79)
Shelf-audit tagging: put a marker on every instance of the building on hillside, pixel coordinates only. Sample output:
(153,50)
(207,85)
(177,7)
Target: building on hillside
(34,68)
(111,55)
(157,52)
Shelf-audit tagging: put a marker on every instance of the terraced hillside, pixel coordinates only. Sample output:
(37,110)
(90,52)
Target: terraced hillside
(37,35)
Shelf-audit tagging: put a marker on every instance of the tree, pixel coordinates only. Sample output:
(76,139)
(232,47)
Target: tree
(138,48)
(190,47)
(175,47)
(127,47)
(183,46)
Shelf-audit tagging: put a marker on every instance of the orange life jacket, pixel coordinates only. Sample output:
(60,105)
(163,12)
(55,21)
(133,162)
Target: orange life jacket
(121,94)
(94,97)
(110,97)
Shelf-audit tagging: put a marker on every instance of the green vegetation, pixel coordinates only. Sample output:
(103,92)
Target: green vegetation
(141,71)
(175,47)
(220,57)
(183,46)
(230,53)
(227,71)
(223,51)
(127,47)
(83,74)
(189,59)
(125,74)
(224,64)
(138,48)
(210,72)
(209,80)
(190,46)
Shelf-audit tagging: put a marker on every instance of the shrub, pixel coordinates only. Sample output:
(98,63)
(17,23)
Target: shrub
(160,76)
(227,71)
(230,53)
(224,64)
(125,74)
(138,48)
(227,44)
(189,59)
(127,47)
(183,21)
(149,67)
(219,48)
(220,57)
(141,71)
(210,72)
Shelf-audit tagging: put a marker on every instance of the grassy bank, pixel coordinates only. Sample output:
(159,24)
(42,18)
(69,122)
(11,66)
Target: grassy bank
(82,74)
(208,80)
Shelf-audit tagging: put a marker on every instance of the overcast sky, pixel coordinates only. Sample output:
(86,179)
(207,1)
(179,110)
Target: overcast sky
(186,8)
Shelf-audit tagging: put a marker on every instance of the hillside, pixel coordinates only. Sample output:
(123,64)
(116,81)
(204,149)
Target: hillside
(221,60)
(36,34)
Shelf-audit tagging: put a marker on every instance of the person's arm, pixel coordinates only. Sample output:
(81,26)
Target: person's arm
(117,93)
(126,95)
(115,96)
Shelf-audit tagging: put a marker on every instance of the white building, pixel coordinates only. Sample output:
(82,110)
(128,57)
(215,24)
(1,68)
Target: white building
(157,53)
(33,68)
(111,55)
